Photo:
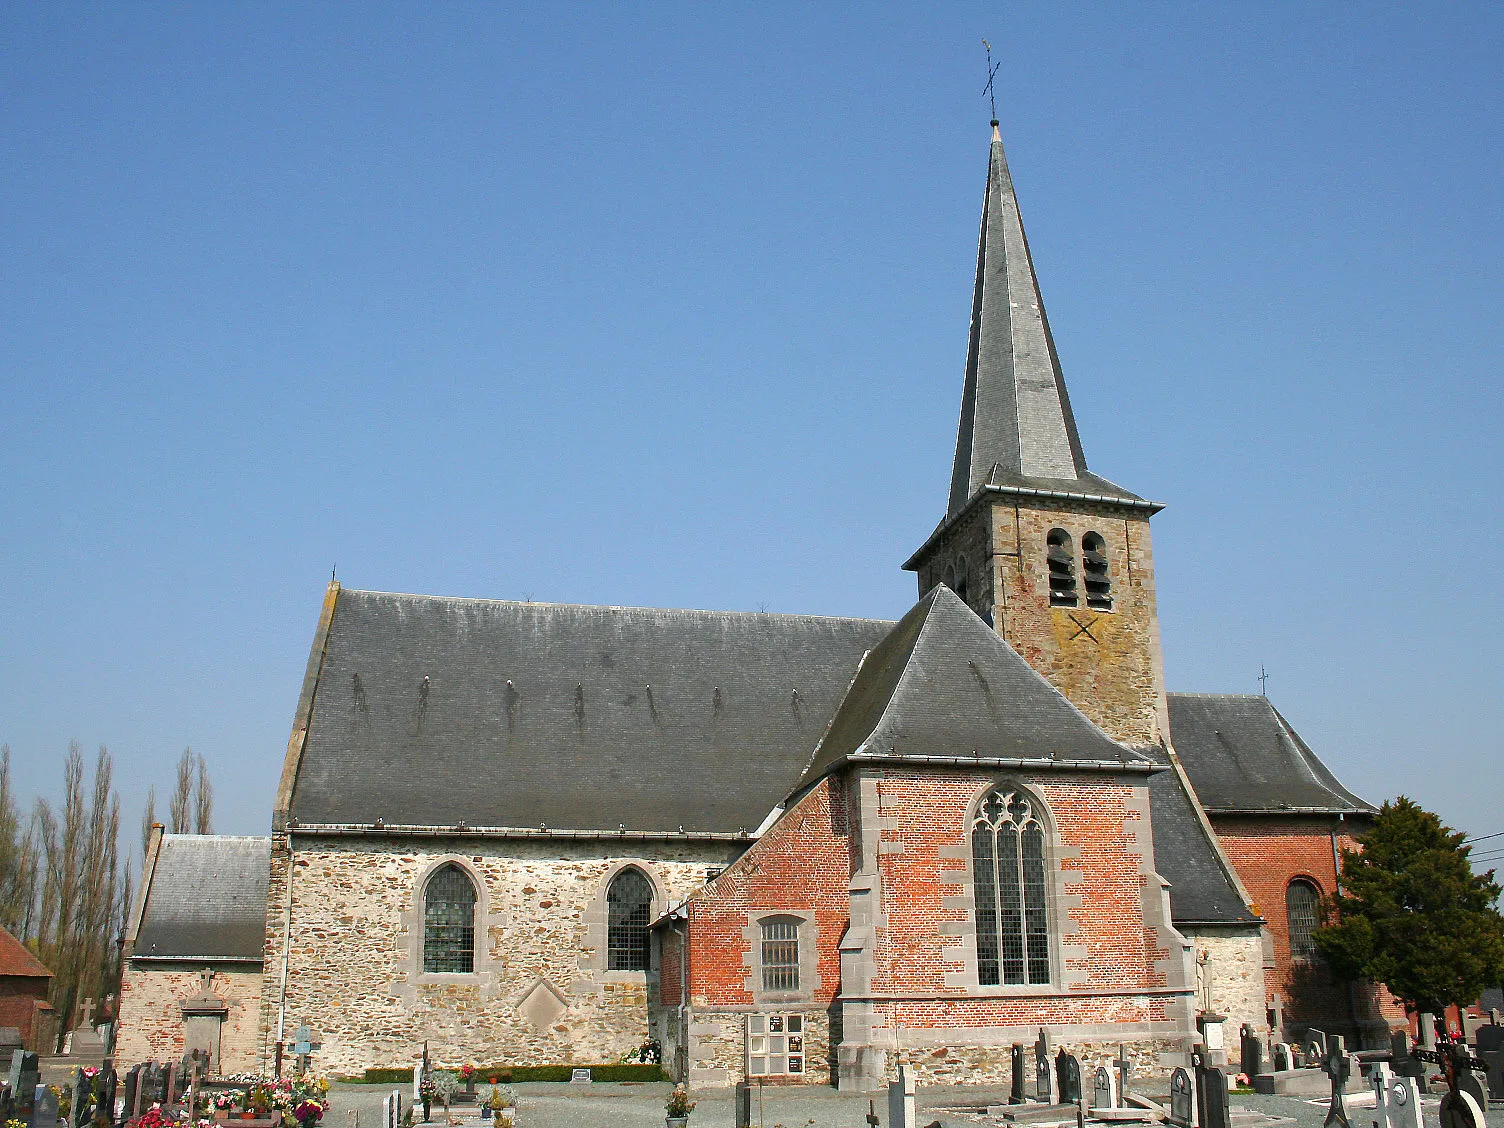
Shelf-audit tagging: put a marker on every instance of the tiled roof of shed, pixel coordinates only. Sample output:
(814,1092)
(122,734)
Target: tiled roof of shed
(1242,755)
(207,898)
(16,960)
(431,711)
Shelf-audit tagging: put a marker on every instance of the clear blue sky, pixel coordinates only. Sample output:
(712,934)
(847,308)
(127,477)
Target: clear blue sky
(667,305)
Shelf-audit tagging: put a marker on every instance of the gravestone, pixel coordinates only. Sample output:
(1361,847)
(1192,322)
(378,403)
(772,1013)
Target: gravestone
(1400,1059)
(1313,1049)
(1403,1103)
(1467,1082)
(1251,1052)
(1490,1049)
(104,1088)
(1044,1070)
(1182,1099)
(1427,1024)
(1068,1074)
(1282,1058)
(25,1070)
(901,1110)
(83,1099)
(1211,1094)
(1104,1088)
(132,1081)
(1019,1062)
(1461,1110)
(1338,1067)
(43,1107)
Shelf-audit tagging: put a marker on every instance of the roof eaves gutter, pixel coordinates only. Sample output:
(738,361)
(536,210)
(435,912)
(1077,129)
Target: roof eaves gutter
(1148,508)
(1290,811)
(1247,922)
(386,830)
(1017,762)
(160,958)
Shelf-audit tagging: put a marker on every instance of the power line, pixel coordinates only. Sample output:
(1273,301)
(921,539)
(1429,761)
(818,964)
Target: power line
(1483,837)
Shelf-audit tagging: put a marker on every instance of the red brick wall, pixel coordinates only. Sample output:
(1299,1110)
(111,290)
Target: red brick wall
(1269,853)
(800,865)
(29,1014)
(670,967)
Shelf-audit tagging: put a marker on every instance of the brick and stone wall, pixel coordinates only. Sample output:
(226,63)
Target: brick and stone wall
(33,1017)
(1268,853)
(1230,977)
(540,992)
(151,1017)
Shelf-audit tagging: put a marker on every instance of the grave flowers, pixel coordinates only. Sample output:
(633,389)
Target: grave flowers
(308,1113)
(678,1107)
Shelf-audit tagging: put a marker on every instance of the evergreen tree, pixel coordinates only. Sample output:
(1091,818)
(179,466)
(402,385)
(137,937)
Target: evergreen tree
(1413,915)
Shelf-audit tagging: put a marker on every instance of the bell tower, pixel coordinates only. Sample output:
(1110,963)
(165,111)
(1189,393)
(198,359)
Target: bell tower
(1055,557)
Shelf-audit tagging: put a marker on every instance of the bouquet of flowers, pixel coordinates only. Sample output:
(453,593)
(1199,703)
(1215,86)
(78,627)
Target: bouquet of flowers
(309,1112)
(225,1100)
(154,1117)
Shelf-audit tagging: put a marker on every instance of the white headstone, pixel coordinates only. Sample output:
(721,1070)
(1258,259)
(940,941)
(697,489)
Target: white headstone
(901,1107)
(1427,1022)
(417,1081)
(1104,1088)
(1379,1077)
(1403,1103)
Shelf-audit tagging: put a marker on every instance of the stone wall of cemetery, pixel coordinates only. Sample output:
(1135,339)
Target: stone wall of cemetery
(151,1016)
(1230,979)
(540,992)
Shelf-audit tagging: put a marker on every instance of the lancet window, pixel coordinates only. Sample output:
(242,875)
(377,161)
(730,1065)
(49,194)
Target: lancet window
(1008,865)
(1303,915)
(629,911)
(449,921)
(1098,577)
(1061,554)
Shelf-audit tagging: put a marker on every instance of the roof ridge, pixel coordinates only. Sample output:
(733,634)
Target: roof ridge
(1222,696)
(705,611)
(216,837)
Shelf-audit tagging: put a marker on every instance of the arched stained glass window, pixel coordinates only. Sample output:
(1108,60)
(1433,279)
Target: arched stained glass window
(1062,560)
(1303,915)
(449,921)
(629,910)
(1008,863)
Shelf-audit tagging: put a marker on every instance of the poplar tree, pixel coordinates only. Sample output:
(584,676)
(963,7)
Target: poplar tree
(1413,915)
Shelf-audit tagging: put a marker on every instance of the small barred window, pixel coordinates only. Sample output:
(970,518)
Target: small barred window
(780,954)
(629,910)
(1062,560)
(1303,914)
(1098,579)
(449,921)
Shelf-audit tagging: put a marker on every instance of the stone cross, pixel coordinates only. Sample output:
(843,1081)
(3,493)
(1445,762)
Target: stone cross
(1124,1069)
(1339,1067)
(1068,1072)
(1104,1088)
(88,1009)
(1018,1061)
(1044,1073)
(1277,1018)
(1182,1099)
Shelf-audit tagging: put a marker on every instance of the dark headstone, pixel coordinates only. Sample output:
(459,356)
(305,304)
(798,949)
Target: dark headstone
(132,1083)
(1044,1069)
(1460,1110)
(1020,1064)
(83,1099)
(1313,1049)
(1211,1093)
(1282,1058)
(1338,1067)
(1400,1060)
(1068,1073)
(27,1076)
(1252,1052)
(1182,1099)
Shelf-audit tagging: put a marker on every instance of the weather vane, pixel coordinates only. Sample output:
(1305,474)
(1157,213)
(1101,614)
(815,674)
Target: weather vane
(991,74)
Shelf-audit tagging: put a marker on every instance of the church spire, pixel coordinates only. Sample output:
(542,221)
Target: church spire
(1016,420)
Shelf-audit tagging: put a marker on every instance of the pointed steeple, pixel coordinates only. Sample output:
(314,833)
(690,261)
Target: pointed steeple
(1016,421)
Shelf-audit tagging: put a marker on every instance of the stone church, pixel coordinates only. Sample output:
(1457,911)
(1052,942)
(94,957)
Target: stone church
(792,846)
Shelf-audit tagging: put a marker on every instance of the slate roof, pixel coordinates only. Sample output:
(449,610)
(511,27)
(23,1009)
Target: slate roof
(16,960)
(207,899)
(431,711)
(1016,421)
(1241,755)
(1200,890)
(944,684)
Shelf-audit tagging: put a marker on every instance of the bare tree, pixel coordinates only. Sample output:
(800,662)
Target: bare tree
(203,800)
(148,820)
(182,795)
(18,858)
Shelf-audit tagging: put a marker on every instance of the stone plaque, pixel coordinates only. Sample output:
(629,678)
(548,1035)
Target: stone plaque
(579,1077)
(1182,1099)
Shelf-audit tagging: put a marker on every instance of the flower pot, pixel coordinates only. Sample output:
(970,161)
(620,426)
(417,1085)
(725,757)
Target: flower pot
(676,1121)
(248,1114)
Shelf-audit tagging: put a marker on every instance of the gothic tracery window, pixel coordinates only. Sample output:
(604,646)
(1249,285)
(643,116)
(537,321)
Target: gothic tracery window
(629,911)
(449,921)
(1008,864)
(1062,561)
(1303,915)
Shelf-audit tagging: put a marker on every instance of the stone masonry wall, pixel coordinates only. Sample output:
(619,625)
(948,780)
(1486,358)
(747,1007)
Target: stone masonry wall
(1231,977)
(151,1017)
(540,993)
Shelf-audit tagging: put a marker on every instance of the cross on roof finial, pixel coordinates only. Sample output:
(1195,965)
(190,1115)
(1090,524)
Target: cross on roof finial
(1263,681)
(991,74)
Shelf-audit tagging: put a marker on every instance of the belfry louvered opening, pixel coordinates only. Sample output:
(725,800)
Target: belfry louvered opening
(449,921)
(1012,916)
(629,909)
(1062,559)
(1098,575)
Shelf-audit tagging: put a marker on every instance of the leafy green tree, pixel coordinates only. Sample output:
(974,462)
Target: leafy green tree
(1413,915)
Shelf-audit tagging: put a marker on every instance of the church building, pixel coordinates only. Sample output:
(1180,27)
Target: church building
(808,848)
